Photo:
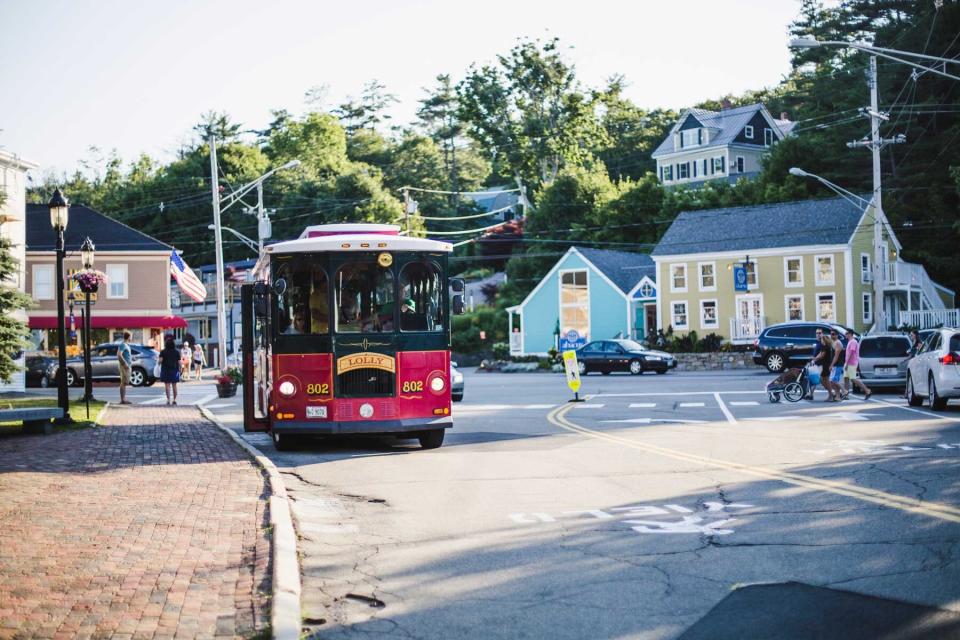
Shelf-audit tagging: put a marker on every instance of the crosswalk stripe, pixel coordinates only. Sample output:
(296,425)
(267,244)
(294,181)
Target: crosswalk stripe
(691,404)
(588,406)
(642,405)
(747,403)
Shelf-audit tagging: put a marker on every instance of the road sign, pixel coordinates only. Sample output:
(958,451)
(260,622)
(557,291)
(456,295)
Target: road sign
(572,339)
(572,369)
(740,278)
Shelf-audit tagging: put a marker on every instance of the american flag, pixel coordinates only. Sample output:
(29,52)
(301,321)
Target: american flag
(189,283)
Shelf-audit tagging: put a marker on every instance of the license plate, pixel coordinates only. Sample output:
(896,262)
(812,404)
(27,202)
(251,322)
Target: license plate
(316,412)
(885,371)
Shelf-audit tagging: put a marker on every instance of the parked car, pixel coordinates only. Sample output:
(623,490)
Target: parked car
(934,373)
(456,383)
(790,344)
(36,367)
(607,356)
(105,366)
(884,358)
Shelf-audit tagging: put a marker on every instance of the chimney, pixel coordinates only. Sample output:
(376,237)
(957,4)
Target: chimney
(784,116)
(725,104)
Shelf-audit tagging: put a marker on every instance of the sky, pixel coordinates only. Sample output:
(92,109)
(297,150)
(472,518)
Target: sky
(136,76)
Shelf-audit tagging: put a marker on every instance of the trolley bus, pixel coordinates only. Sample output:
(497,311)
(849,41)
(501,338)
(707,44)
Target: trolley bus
(346,330)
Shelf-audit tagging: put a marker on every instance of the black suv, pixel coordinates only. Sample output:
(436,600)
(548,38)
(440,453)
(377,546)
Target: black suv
(790,343)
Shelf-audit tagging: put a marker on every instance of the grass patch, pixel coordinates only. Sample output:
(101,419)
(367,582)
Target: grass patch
(78,411)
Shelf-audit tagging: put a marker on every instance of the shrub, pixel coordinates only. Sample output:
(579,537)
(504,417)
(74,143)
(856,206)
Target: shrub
(711,343)
(501,350)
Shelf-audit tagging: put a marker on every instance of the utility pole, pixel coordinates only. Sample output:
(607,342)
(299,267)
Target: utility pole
(218,250)
(875,143)
(264,226)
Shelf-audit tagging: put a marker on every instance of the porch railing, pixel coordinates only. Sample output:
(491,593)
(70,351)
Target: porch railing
(915,277)
(931,318)
(746,329)
(515,346)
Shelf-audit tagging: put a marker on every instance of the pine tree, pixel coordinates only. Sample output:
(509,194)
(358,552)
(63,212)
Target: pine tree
(13,332)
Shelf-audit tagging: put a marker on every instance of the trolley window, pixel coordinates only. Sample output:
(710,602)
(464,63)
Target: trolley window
(303,308)
(420,303)
(364,298)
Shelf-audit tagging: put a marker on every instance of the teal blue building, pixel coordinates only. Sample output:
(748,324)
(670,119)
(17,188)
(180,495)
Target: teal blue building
(590,294)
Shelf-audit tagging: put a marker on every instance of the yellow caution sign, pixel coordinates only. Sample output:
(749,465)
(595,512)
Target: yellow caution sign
(573,370)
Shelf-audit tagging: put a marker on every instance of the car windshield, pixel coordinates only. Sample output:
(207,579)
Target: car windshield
(631,345)
(885,347)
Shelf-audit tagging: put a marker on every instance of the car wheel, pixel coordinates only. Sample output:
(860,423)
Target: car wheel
(582,368)
(936,402)
(456,397)
(636,367)
(912,398)
(431,439)
(138,377)
(72,379)
(774,362)
(44,382)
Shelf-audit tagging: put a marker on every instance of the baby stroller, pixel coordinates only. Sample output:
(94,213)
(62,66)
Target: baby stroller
(792,384)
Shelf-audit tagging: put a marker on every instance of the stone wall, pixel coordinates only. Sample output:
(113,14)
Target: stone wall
(714,361)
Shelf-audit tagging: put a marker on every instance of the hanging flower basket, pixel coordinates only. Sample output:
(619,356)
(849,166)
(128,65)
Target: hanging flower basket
(89,280)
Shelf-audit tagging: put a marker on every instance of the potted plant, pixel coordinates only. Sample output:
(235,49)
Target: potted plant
(89,280)
(228,382)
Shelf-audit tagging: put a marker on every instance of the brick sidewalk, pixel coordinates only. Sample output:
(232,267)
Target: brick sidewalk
(152,526)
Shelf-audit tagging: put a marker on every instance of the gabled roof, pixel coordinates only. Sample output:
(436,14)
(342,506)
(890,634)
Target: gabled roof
(107,234)
(767,226)
(624,269)
(494,198)
(727,123)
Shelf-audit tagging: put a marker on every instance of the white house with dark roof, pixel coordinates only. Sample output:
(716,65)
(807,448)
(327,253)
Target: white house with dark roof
(800,261)
(589,294)
(718,145)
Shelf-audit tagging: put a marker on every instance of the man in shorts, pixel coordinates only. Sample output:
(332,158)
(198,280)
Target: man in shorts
(853,361)
(125,360)
(837,365)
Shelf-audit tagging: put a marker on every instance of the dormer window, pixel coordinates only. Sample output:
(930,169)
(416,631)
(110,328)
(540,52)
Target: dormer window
(768,137)
(689,138)
(748,132)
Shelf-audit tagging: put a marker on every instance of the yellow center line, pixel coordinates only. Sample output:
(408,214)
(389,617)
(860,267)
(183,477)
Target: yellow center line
(937,510)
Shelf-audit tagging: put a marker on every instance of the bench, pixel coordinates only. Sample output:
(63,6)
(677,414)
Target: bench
(35,419)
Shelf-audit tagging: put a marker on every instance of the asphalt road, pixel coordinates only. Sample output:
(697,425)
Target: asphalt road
(644,512)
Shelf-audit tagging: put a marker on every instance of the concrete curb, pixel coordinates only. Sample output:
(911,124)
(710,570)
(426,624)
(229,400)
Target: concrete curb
(285,616)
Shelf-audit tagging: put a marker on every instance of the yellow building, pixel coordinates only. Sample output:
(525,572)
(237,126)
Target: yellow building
(795,261)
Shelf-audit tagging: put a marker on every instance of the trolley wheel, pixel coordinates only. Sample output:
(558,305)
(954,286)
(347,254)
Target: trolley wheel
(431,439)
(793,392)
(284,441)
(773,397)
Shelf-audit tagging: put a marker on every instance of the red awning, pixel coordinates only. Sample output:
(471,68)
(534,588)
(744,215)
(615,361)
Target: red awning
(113,322)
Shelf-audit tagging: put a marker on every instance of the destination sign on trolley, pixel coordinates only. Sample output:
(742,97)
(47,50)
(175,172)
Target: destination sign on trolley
(366,360)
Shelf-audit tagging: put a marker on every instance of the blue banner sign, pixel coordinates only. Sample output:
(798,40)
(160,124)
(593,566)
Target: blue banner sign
(572,340)
(739,278)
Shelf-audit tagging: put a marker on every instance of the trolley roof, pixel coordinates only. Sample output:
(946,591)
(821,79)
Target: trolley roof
(356,237)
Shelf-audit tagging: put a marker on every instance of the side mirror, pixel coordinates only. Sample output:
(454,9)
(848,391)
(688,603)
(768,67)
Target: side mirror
(456,303)
(457,285)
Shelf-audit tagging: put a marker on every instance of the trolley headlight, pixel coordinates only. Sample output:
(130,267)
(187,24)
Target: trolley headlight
(287,388)
(437,384)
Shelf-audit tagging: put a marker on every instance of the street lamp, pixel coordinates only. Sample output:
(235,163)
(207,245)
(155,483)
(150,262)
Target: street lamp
(59,216)
(244,239)
(880,257)
(263,227)
(86,259)
(883,52)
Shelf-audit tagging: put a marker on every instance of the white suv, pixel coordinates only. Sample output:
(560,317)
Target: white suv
(934,373)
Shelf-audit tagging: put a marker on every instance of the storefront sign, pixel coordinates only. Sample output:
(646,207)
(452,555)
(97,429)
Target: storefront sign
(740,278)
(572,340)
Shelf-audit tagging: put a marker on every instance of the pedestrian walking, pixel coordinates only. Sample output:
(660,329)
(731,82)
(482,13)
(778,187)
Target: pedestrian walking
(853,361)
(916,344)
(170,366)
(125,360)
(837,365)
(199,361)
(186,355)
(824,358)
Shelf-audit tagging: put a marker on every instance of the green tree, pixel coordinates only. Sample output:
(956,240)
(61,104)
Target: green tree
(13,332)
(529,113)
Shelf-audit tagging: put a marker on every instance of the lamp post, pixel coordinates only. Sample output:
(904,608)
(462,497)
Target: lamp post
(86,258)
(263,228)
(59,214)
